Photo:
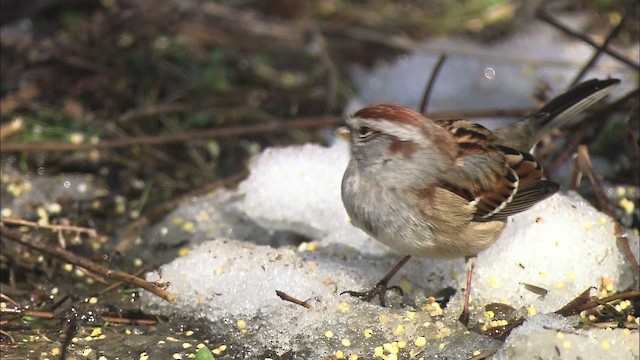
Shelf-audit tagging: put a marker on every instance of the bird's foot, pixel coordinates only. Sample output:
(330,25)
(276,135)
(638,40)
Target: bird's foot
(380,291)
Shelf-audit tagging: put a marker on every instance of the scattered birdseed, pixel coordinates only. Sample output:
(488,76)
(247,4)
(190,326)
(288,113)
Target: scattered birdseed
(378,351)
(532,310)
(177,356)
(189,333)
(344,307)
(493,282)
(420,341)
(560,335)
(605,344)
(55,351)
(186,345)
(566,344)
(188,226)
(96,332)
(476,353)
(410,315)
(137,262)
(368,333)
(339,354)
(489,314)
(171,338)
(353,357)
(392,357)
(441,346)
(67,267)
(144,356)
(345,342)
(93,300)
(241,324)
(222,347)
(87,352)
(184,251)
(328,334)
(398,330)
(164,231)
(402,344)
(627,205)
(200,346)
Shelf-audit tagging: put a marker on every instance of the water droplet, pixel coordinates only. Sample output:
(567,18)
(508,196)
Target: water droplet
(41,170)
(489,73)
(67,184)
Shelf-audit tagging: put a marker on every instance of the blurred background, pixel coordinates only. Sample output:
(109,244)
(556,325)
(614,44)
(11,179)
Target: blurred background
(145,102)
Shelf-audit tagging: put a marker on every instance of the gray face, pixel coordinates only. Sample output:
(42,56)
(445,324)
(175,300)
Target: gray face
(393,155)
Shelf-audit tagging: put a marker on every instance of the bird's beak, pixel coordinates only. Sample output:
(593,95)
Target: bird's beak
(344,133)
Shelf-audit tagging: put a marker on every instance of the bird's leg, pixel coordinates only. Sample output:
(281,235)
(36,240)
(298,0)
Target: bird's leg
(470,261)
(381,287)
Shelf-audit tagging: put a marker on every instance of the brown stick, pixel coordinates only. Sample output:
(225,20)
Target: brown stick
(432,80)
(77,260)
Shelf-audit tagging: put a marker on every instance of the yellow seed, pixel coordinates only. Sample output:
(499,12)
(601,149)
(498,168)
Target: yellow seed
(399,330)
(420,341)
(566,344)
(378,351)
(543,274)
(96,332)
(489,314)
(87,352)
(177,356)
(353,357)
(410,315)
(493,283)
(183,251)
(171,338)
(606,345)
(189,333)
(216,351)
(93,300)
(532,310)
(559,285)
(368,333)
(441,346)
(476,353)
(188,226)
(186,345)
(222,347)
(571,276)
(55,351)
(144,356)
(560,335)
(344,307)
(137,262)
(346,342)
(339,354)
(328,334)
(241,324)
(402,344)
(627,205)
(392,357)
(603,220)
(219,270)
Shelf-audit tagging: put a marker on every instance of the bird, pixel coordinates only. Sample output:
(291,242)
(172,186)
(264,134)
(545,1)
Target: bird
(445,188)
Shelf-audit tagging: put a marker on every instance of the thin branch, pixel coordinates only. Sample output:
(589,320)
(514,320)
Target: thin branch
(77,260)
(600,49)
(432,80)
(89,231)
(543,15)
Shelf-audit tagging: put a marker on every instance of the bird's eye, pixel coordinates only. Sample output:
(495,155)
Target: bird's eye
(364,132)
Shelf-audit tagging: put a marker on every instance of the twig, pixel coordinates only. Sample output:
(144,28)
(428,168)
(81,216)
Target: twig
(584,163)
(304,123)
(600,49)
(432,80)
(543,15)
(289,298)
(91,232)
(77,260)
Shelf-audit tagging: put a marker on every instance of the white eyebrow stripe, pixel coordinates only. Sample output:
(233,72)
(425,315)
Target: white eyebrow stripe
(404,132)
